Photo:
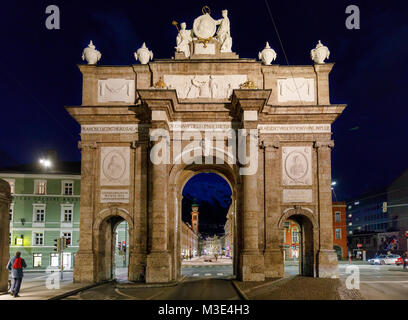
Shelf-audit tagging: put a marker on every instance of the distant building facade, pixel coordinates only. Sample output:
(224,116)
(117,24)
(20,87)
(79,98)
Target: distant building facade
(228,245)
(45,206)
(377,222)
(190,235)
(340,229)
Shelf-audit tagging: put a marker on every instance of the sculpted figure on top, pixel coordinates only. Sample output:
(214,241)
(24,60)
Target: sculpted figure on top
(205,29)
(183,40)
(223,32)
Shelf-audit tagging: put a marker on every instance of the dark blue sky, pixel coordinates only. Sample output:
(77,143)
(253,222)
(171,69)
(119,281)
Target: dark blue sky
(39,75)
(213,195)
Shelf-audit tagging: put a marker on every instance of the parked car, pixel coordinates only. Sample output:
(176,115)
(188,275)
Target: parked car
(391,258)
(377,259)
(384,259)
(399,261)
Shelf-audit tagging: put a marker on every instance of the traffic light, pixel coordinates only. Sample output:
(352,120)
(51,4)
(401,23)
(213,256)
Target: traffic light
(57,245)
(384,210)
(63,243)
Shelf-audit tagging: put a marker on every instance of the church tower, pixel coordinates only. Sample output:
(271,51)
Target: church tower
(194,216)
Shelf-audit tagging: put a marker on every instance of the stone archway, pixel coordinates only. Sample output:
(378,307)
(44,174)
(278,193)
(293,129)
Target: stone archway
(5,200)
(179,176)
(308,237)
(104,229)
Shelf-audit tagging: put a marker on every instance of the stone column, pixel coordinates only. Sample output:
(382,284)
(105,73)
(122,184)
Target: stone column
(273,254)
(5,200)
(327,264)
(137,255)
(252,261)
(158,259)
(85,269)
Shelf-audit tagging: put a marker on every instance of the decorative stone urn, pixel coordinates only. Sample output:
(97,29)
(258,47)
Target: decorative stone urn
(320,53)
(144,54)
(267,55)
(91,55)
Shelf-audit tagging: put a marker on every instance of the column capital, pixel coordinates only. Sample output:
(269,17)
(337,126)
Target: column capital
(270,145)
(324,144)
(91,145)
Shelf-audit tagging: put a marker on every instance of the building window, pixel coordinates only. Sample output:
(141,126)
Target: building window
(38,238)
(67,212)
(67,187)
(67,235)
(295,236)
(338,216)
(54,259)
(338,233)
(39,213)
(37,260)
(12,183)
(40,187)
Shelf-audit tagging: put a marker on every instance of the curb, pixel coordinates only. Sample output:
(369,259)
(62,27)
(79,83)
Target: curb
(75,291)
(241,293)
(244,295)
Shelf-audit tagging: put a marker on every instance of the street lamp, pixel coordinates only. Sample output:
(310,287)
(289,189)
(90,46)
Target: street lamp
(45,163)
(333,184)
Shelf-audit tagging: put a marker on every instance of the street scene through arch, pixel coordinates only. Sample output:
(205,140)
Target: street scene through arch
(207,232)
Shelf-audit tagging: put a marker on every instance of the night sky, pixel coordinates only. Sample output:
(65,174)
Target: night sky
(39,75)
(213,195)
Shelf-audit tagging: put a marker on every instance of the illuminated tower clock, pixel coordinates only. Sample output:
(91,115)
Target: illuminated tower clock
(194,216)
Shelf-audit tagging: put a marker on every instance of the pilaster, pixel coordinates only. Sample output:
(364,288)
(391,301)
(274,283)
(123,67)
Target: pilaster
(327,264)
(273,254)
(85,269)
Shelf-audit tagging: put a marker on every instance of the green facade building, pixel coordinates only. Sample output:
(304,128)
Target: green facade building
(45,207)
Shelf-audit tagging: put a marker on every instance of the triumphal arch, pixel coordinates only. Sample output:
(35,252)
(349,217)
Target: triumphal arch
(146,129)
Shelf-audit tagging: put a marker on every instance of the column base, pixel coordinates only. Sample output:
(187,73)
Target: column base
(158,267)
(137,264)
(252,267)
(274,264)
(327,264)
(85,268)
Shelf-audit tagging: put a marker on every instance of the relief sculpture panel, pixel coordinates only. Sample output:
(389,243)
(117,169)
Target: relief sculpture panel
(296,166)
(116,90)
(115,166)
(204,86)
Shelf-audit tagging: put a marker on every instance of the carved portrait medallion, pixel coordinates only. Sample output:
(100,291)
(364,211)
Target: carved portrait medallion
(114,166)
(296,166)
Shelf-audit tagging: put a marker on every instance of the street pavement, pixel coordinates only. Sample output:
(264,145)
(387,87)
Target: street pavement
(377,282)
(34,287)
(213,282)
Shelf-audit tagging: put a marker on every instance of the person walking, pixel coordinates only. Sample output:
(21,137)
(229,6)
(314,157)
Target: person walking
(16,265)
(404,259)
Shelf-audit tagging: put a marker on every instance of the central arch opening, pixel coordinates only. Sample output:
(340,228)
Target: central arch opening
(207,231)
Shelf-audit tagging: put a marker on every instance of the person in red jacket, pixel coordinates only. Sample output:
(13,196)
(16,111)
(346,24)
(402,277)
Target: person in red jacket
(16,265)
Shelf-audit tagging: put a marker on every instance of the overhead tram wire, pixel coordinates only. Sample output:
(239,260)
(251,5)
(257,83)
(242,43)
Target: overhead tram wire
(283,49)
